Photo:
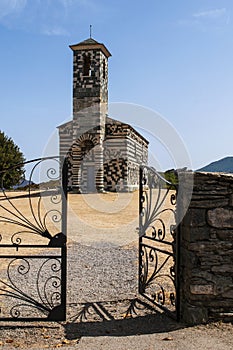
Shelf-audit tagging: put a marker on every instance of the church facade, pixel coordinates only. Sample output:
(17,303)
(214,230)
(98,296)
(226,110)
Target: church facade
(104,154)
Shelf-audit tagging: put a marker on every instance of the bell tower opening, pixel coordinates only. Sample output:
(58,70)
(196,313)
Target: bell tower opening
(104,69)
(87,64)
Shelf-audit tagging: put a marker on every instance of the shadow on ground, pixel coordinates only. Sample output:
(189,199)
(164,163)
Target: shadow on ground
(104,319)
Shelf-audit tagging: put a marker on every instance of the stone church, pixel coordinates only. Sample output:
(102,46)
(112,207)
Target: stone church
(104,154)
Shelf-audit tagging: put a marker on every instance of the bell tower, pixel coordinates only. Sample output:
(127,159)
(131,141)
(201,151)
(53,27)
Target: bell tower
(90,107)
(90,83)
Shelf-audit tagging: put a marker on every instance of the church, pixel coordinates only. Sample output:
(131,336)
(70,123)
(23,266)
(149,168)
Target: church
(104,154)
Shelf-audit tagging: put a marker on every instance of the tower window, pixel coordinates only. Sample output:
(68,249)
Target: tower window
(104,69)
(87,65)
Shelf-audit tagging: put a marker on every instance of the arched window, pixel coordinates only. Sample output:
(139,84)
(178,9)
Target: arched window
(86,146)
(87,65)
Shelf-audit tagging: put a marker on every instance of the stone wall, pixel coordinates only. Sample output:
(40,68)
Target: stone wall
(124,151)
(206,256)
(115,175)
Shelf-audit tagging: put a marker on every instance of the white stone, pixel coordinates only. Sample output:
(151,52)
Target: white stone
(206,289)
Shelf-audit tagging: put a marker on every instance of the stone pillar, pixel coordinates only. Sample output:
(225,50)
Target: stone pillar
(99,167)
(76,170)
(207,250)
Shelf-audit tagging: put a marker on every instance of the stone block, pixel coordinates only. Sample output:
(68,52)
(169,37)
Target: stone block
(196,217)
(223,235)
(199,234)
(188,259)
(228,294)
(220,302)
(209,203)
(199,277)
(223,269)
(197,247)
(203,289)
(207,247)
(193,315)
(220,218)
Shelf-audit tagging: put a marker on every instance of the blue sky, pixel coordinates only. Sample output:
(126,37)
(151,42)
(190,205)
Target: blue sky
(174,57)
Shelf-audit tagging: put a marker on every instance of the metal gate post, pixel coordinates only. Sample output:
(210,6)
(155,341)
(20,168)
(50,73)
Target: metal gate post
(64,231)
(140,230)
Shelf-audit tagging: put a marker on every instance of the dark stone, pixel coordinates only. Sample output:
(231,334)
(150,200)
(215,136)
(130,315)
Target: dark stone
(223,235)
(195,218)
(199,234)
(188,259)
(223,269)
(193,315)
(228,294)
(220,218)
(209,203)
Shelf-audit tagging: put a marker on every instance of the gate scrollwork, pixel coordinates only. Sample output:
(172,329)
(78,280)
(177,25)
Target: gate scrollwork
(33,243)
(158,280)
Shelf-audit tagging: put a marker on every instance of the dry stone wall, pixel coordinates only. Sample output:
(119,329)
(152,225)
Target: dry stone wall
(206,255)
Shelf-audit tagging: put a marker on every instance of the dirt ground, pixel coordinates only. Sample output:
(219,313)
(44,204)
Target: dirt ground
(90,217)
(102,220)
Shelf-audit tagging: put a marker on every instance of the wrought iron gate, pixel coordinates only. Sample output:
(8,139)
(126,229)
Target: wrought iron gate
(33,243)
(158,241)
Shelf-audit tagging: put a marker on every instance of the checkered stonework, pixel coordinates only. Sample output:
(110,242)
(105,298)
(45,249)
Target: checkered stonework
(103,153)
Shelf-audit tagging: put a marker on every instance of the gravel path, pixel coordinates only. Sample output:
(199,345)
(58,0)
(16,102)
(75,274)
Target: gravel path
(105,311)
(101,273)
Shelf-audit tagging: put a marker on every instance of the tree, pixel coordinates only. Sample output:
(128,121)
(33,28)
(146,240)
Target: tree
(10,156)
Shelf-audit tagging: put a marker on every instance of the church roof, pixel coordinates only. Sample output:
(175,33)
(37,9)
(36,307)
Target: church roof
(62,126)
(90,44)
(110,121)
(88,41)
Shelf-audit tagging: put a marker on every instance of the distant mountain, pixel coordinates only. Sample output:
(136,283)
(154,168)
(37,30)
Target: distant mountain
(24,183)
(224,165)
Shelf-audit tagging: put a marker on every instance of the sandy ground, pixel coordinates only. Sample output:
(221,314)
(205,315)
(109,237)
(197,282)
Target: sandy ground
(92,218)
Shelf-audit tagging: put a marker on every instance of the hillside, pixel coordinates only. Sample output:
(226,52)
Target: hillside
(224,165)
(23,184)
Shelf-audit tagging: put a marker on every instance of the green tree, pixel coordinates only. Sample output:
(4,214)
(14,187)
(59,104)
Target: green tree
(171,176)
(10,157)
